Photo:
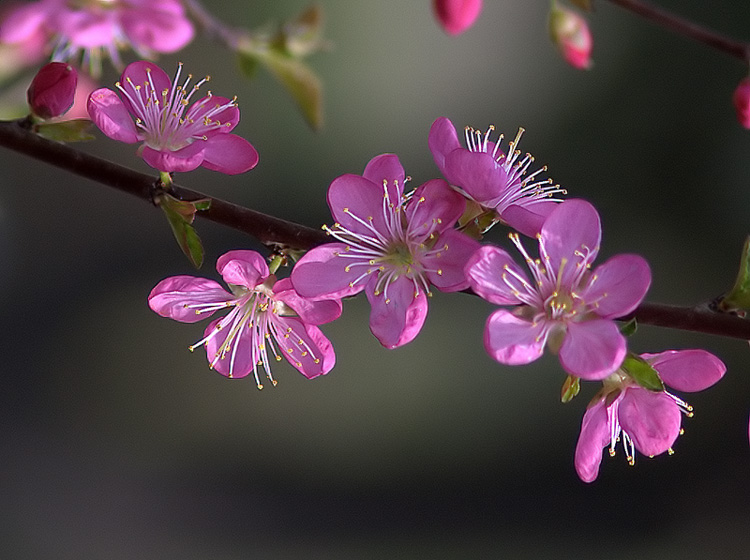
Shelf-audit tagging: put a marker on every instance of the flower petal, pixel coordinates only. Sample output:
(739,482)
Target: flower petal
(477,173)
(573,226)
(207,107)
(242,268)
(351,195)
(529,218)
(180,297)
(186,159)
(304,346)
(687,370)
(447,269)
(513,341)
(434,207)
(111,116)
(594,436)
(140,73)
(397,315)
(322,273)
(229,153)
(442,140)
(314,312)
(387,167)
(618,286)
(485,271)
(592,349)
(651,419)
(159,30)
(243,356)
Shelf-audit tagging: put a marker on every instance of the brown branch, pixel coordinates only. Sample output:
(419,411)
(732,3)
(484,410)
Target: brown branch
(275,231)
(690,29)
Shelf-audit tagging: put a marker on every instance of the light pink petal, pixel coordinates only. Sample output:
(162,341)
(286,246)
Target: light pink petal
(442,141)
(386,167)
(528,219)
(304,346)
(139,73)
(446,269)
(594,436)
(242,268)
(651,419)
(186,159)
(157,30)
(313,312)
(573,226)
(477,174)
(228,117)
(592,349)
(242,357)
(485,270)
(111,116)
(23,22)
(322,273)
(397,316)
(687,370)
(618,286)
(86,29)
(513,341)
(359,197)
(434,207)
(176,297)
(229,153)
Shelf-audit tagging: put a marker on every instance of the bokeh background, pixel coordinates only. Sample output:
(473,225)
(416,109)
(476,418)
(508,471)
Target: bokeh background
(118,443)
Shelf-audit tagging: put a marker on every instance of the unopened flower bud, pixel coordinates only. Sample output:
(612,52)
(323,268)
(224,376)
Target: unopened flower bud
(456,16)
(52,90)
(570,32)
(741,100)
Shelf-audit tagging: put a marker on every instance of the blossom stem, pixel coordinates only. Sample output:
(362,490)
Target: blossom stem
(687,28)
(270,230)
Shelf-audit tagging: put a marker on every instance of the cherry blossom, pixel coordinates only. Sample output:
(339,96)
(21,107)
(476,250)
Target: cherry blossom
(176,136)
(267,318)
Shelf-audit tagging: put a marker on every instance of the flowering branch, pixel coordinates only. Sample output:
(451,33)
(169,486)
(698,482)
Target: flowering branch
(660,16)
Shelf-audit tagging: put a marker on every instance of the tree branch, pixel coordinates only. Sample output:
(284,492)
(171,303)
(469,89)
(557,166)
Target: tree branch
(275,231)
(682,26)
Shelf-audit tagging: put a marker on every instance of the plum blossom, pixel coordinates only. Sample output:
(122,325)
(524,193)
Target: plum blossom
(570,32)
(565,306)
(176,136)
(648,421)
(493,178)
(93,29)
(267,318)
(392,245)
(456,16)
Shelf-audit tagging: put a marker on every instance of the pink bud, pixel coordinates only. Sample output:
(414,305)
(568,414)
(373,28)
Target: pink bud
(570,32)
(52,90)
(456,16)
(741,100)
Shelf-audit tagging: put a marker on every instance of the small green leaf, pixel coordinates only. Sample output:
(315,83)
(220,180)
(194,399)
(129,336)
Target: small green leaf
(202,204)
(302,35)
(629,328)
(75,130)
(570,388)
(739,296)
(180,215)
(642,372)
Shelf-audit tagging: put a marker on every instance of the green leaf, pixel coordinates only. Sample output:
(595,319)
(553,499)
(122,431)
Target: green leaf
(180,215)
(739,296)
(302,35)
(629,328)
(570,388)
(75,130)
(642,372)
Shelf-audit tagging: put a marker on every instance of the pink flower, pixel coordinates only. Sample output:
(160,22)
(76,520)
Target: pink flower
(456,16)
(391,245)
(266,317)
(565,305)
(101,27)
(741,100)
(494,179)
(648,421)
(570,32)
(52,90)
(176,136)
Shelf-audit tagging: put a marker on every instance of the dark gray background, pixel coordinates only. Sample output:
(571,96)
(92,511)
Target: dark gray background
(118,443)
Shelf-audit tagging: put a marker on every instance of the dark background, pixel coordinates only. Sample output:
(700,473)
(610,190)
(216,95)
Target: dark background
(118,443)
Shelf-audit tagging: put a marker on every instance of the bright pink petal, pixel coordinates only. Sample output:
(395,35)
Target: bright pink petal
(485,270)
(111,116)
(242,268)
(442,141)
(397,316)
(186,159)
(304,346)
(228,117)
(573,226)
(513,341)
(651,419)
(687,370)
(435,207)
(313,312)
(178,297)
(140,72)
(477,174)
(322,273)
(243,355)
(618,286)
(351,195)
(528,219)
(592,349)
(157,30)
(446,269)
(456,16)
(386,167)
(594,436)
(229,153)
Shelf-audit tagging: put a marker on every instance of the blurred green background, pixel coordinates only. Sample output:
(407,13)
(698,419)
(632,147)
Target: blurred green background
(118,443)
